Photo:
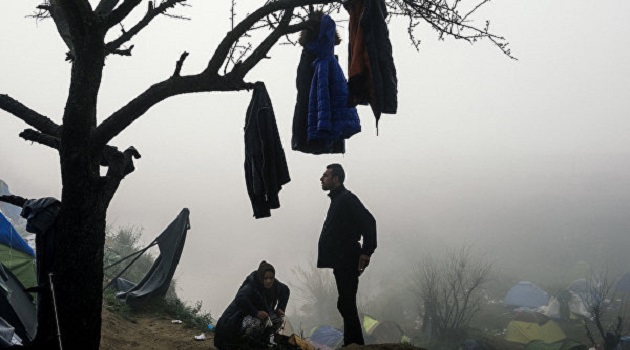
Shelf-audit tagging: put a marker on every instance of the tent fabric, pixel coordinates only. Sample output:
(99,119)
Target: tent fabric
(471,344)
(387,332)
(16,306)
(531,317)
(22,265)
(623,285)
(123,285)
(567,344)
(9,210)
(368,323)
(156,282)
(16,254)
(525,332)
(11,238)
(8,338)
(327,336)
(526,294)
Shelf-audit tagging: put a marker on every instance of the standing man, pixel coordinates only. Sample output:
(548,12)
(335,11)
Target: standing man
(339,248)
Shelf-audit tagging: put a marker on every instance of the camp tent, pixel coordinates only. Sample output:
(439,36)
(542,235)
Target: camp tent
(9,210)
(16,307)
(326,336)
(382,332)
(16,255)
(623,285)
(525,294)
(566,344)
(530,326)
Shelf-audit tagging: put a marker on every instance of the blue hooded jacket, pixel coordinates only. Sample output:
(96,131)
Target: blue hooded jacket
(329,117)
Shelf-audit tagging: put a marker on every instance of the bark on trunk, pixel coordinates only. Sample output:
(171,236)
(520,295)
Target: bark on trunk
(80,227)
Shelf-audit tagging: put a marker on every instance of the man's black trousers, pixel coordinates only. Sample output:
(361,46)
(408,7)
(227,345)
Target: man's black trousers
(347,279)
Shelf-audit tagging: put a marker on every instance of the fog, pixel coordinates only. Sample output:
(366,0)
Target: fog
(526,160)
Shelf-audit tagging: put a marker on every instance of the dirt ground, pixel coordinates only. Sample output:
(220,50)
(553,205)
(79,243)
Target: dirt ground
(150,332)
(154,332)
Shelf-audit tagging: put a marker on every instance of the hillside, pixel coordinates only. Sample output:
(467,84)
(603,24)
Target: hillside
(151,331)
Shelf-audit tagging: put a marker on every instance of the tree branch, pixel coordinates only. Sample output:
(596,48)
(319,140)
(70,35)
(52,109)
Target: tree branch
(121,12)
(152,12)
(41,138)
(222,51)
(261,51)
(104,7)
(15,200)
(120,164)
(29,116)
(179,64)
(173,86)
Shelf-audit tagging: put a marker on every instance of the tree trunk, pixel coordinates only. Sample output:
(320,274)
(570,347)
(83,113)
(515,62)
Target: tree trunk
(80,227)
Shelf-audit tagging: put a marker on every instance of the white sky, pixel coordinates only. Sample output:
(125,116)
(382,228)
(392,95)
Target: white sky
(482,147)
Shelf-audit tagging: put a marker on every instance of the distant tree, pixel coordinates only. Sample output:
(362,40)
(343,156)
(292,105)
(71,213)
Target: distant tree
(449,290)
(607,309)
(82,143)
(315,290)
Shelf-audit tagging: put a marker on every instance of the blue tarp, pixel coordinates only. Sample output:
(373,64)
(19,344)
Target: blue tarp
(11,238)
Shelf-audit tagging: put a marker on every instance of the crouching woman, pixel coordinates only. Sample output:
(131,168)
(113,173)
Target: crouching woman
(255,313)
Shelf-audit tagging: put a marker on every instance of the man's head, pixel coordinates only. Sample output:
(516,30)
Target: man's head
(333,177)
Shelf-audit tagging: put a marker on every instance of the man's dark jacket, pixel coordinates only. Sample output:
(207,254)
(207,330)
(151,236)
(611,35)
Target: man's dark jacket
(346,222)
(266,167)
(250,299)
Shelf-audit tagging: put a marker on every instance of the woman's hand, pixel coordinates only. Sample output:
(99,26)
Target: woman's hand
(280,312)
(262,315)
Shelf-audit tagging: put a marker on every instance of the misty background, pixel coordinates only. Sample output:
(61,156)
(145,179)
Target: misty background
(527,160)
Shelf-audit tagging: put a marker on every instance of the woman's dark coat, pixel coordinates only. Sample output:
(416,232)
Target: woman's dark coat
(329,117)
(250,299)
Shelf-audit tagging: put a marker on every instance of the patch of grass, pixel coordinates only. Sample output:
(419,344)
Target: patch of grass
(191,316)
(174,308)
(114,305)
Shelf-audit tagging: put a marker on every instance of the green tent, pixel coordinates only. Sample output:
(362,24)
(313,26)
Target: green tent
(16,255)
(566,344)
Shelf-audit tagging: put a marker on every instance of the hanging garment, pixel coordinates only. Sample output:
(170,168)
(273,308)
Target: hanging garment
(371,70)
(266,167)
(329,117)
(299,140)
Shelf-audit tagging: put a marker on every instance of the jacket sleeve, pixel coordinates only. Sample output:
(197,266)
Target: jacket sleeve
(283,296)
(324,113)
(244,300)
(367,226)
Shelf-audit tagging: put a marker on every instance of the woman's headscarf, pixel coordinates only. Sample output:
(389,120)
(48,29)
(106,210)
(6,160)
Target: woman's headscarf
(262,268)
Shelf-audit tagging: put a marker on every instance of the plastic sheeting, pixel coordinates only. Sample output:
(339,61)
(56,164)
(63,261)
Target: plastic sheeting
(156,282)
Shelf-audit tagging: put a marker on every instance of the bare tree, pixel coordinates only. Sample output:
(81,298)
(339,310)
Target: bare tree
(317,293)
(607,312)
(82,143)
(449,290)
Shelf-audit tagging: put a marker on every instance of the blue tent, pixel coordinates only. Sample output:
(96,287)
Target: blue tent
(624,284)
(12,239)
(326,336)
(525,294)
